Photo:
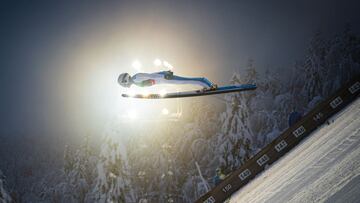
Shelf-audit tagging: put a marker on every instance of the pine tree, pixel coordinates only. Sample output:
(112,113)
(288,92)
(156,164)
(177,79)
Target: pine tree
(342,60)
(158,176)
(112,182)
(251,77)
(78,175)
(68,160)
(314,68)
(4,196)
(328,65)
(271,107)
(236,137)
(169,175)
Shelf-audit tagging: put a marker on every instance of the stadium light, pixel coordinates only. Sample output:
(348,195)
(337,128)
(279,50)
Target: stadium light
(168,65)
(137,65)
(157,62)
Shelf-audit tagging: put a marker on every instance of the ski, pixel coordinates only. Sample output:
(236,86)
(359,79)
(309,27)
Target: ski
(195,93)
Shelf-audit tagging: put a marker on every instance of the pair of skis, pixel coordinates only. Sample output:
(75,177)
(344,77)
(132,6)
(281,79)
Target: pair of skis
(195,93)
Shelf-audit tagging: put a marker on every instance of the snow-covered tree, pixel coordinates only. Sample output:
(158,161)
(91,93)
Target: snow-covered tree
(69,160)
(270,108)
(236,137)
(315,71)
(169,177)
(4,195)
(195,155)
(251,76)
(82,175)
(342,60)
(329,63)
(112,181)
(75,181)
(158,176)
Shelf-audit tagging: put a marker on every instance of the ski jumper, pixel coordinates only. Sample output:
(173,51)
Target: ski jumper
(167,77)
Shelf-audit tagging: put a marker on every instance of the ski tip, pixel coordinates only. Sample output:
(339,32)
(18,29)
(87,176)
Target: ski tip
(249,86)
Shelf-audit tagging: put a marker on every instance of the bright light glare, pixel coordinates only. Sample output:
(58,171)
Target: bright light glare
(162,93)
(145,93)
(137,65)
(168,65)
(165,111)
(132,114)
(157,62)
(131,93)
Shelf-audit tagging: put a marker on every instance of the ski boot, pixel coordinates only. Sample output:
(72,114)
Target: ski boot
(169,75)
(211,88)
(214,87)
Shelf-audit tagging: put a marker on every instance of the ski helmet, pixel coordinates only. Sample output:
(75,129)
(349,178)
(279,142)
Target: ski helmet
(124,80)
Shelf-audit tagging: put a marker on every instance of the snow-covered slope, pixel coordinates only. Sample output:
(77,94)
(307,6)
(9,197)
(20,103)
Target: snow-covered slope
(323,168)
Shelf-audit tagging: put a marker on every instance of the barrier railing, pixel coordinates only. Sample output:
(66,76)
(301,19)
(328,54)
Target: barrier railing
(283,143)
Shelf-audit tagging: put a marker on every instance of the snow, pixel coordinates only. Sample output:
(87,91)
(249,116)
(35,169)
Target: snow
(323,168)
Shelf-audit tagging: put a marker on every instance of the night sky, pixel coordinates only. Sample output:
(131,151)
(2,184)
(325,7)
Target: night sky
(53,52)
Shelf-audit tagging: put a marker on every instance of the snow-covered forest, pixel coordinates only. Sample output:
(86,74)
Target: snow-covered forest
(182,162)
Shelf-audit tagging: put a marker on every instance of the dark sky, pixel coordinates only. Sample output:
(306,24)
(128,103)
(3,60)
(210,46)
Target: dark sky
(222,34)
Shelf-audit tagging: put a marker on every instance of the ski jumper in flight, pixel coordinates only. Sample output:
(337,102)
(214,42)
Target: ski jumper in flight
(163,77)
(168,77)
